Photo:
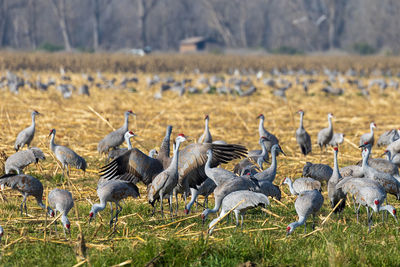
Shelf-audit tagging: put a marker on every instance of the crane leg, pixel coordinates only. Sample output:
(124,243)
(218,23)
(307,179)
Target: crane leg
(118,209)
(112,214)
(161,206)
(206,202)
(357,211)
(177,201)
(171,210)
(305,227)
(55,223)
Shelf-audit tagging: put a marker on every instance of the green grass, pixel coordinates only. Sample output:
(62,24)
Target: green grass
(339,242)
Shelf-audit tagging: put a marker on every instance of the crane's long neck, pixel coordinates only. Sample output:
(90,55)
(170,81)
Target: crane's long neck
(52,144)
(300,222)
(175,158)
(206,129)
(330,127)
(207,168)
(33,121)
(290,184)
(194,194)
(126,123)
(128,141)
(365,159)
(165,146)
(336,174)
(301,121)
(263,149)
(261,129)
(273,162)
(372,130)
(99,207)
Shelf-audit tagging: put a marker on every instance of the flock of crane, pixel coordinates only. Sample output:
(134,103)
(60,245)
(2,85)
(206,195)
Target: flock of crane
(194,171)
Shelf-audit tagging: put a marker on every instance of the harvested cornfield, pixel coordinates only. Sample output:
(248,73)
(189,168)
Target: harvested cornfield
(142,239)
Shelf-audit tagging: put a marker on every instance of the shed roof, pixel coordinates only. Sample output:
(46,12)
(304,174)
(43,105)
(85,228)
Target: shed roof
(193,40)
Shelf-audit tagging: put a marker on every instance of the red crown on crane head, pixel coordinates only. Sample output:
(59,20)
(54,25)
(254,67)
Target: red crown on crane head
(335,148)
(376,202)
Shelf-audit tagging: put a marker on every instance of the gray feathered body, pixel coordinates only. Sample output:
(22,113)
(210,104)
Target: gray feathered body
(308,202)
(325,135)
(25,137)
(337,139)
(25,184)
(354,171)
(382,165)
(112,140)
(19,160)
(304,184)
(388,137)
(115,191)
(302,137)
(336,194)
(320,172)
(61,200)
(269,189)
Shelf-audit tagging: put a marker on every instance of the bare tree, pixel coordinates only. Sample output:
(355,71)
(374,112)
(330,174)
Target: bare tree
(60,11)
(144,9)
(217,22)
(97,7)
(31,18)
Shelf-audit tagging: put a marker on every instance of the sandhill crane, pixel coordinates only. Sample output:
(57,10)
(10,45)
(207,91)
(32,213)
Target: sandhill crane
(206,136)
(320,172)
(1,232)
(113,191)
(272,140)
(302,184)
(153,153)
(112,154)
(366,192)
(227,187)
(325,135)
(27,186)
(368,137)
(308,202)
(270,173)
(334,194)
(19,160)
(247,200)
(388,137)
(302,137)
(337,139)
(395,159)
(115,138)
(65,155)
(391,185)
(165,182)
(25,136)
(61,200)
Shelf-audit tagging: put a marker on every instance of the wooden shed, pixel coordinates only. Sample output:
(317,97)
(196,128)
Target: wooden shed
(193,44)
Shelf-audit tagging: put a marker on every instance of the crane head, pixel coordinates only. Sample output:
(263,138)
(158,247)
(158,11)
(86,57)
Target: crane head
(129,112)
(68,226)
(330,115)
(336,148)
(376,202)
(52,131)
(186,211)
(206,117)
(35,112)
(260,116)
(373,124)
(300,111)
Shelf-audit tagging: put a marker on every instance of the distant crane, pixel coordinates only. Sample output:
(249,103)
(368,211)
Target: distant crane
(112,154)
(302,137)
(19,160)
(272,140)
(320,172)
(27,186)
(336,194)
(308,202)
(66,156)
(325,135)
(270,173)
(115,138)
(61,200)
(206,136)
(25,137)
(113,191)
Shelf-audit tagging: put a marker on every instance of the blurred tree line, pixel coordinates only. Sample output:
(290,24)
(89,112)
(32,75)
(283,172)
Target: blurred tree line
(274,25)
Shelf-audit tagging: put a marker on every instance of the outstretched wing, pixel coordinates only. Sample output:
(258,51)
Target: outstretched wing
(193,158)
(132,166)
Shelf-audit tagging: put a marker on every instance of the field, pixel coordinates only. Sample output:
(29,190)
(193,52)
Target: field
(142,239)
